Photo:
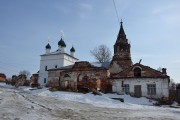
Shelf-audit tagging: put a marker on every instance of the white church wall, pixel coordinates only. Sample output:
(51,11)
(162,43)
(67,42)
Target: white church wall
(51,61)
(69,60)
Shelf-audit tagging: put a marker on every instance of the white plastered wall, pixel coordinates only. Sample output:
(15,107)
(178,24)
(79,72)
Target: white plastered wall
(162,86)
(51,61)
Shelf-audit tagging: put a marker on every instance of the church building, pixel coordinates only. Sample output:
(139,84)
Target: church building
(135,79)
(55,59)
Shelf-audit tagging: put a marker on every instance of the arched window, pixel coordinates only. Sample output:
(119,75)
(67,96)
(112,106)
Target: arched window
(85,80)
(79,77)
(66,75)
(137,72)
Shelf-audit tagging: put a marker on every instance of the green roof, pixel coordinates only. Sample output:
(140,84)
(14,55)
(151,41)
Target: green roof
(62,43)
(72,49)
(48,46)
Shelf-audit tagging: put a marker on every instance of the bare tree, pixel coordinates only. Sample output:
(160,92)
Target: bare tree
(25,72)
(172,84)
(101,53)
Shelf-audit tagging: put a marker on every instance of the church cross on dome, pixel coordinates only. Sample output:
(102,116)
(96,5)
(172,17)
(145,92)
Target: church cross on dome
(49,38)
(62,34)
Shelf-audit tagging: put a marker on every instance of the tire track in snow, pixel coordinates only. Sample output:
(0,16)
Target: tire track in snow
(27,99)
(31,101)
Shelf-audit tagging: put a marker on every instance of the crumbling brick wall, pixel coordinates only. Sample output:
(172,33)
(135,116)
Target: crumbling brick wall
(82,74)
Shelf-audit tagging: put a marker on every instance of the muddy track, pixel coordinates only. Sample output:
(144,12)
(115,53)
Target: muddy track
(31,101)
(19,92)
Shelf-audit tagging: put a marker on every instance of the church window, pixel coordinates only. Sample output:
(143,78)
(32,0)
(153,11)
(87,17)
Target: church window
(151,89)
(137,72)
(45,68)
(44,80)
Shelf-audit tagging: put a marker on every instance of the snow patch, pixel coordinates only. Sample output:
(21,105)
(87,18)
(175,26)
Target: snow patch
(100,101)
(133,100)
(24,109)
(4,85)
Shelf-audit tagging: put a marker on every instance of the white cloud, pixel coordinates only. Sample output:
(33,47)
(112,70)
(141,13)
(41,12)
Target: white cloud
(169,14)
(172,19)
(86,6)
(163,9)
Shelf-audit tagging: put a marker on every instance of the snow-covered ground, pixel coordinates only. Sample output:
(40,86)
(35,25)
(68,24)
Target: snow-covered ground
(26,103)
(101,101)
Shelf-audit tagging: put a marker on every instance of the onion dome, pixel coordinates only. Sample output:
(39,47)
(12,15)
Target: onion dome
(48,46)
(60,42)
(72,49)
(63,44)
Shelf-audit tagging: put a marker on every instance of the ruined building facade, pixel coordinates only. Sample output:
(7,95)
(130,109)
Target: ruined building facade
(122,54)
(81,75)
(135,79)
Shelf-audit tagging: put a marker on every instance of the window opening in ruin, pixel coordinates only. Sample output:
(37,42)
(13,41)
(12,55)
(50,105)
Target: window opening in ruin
(85,80)
(137,72)
(66,75)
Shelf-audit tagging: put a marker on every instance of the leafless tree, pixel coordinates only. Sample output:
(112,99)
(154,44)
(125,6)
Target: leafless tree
(25,72)
(172,85)
(101,53)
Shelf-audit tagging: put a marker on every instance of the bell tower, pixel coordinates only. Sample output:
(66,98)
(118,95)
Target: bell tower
(122,55)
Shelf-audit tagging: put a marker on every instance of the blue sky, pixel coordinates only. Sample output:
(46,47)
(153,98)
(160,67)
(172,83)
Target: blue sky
(151,26)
